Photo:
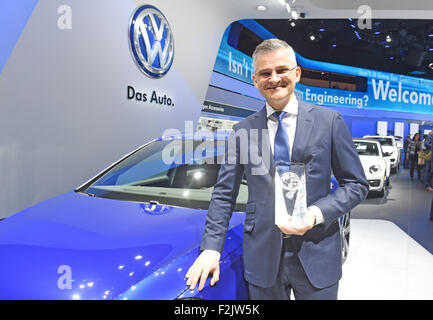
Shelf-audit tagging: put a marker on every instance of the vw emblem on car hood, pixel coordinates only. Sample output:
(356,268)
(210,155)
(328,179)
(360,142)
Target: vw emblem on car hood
(151,41)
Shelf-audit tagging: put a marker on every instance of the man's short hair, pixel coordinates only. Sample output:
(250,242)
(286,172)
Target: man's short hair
(272,45)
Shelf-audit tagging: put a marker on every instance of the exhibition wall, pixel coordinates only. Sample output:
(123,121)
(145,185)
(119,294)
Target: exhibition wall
(65,68)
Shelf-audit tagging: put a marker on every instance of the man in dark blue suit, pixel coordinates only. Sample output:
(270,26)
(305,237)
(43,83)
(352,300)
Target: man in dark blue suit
(305,258)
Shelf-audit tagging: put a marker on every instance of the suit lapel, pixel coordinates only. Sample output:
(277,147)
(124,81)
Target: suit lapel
(260,123)
(304,126)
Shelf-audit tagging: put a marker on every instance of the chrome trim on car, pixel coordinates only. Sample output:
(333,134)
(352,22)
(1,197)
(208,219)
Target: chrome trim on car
(345,236)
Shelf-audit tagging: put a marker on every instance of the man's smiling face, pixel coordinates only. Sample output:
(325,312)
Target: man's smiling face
(275,76)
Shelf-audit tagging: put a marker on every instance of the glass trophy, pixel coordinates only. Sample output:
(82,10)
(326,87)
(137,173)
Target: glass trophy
(290,194)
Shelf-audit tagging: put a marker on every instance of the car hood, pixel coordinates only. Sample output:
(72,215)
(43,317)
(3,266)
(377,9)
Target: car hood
(368,161)
(78,247)
(389,148)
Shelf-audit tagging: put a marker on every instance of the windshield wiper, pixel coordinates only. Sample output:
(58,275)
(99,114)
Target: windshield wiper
(86,193)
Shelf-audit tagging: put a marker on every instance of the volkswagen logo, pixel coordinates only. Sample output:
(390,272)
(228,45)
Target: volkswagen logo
(151,41)
(291,181)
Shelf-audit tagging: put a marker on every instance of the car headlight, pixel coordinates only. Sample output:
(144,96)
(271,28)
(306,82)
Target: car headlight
(374,169)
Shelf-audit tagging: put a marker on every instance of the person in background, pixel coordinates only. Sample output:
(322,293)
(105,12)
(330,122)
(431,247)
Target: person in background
(428,169)
(406,156)
(412,149)
(422,142)
(421,160)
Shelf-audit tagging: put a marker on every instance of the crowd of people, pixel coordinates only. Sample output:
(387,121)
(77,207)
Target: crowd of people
(418,156)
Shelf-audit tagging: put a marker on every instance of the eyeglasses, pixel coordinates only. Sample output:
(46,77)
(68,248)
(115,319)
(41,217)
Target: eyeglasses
(282,72)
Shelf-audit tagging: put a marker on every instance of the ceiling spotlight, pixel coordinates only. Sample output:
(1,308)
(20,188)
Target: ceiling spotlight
(290,9)
(293,24)
(285,2)
(261,8)
(388,38)
(430,65)
(312,37)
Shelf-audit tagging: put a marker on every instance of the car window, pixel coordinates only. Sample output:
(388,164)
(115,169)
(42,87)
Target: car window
(180,173)
(383,141)
(365,148)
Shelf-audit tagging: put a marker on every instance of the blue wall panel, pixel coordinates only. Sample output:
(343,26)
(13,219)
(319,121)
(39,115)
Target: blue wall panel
(360,127)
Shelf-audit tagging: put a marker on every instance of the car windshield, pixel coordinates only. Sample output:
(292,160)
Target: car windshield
(178,172)
(383,141)
(365,148)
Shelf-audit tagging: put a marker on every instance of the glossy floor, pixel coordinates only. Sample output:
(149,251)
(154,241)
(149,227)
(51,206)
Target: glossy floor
(391,245)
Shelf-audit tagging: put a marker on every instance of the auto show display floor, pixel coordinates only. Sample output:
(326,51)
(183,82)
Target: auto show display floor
(406,203)
(385,263)
(391,245)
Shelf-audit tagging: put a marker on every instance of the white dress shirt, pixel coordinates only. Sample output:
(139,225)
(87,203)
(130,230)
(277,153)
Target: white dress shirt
(289,122)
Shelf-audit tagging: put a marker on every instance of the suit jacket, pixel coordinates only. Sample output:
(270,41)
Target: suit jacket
(324,143)
(428,142)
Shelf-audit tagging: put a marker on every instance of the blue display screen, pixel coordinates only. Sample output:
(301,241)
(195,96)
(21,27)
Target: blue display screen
(384,91)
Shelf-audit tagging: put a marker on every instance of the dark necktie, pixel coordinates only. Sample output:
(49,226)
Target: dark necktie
(281,144)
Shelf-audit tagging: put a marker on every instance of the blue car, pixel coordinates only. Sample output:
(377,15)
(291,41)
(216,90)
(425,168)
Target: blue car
(131,232)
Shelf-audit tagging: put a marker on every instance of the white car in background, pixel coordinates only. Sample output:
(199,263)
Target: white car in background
(376,168)
(389,146)
(399,142)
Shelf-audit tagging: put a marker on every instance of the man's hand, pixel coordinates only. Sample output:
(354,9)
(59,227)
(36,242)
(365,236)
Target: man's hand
(205,264)
(300,229)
